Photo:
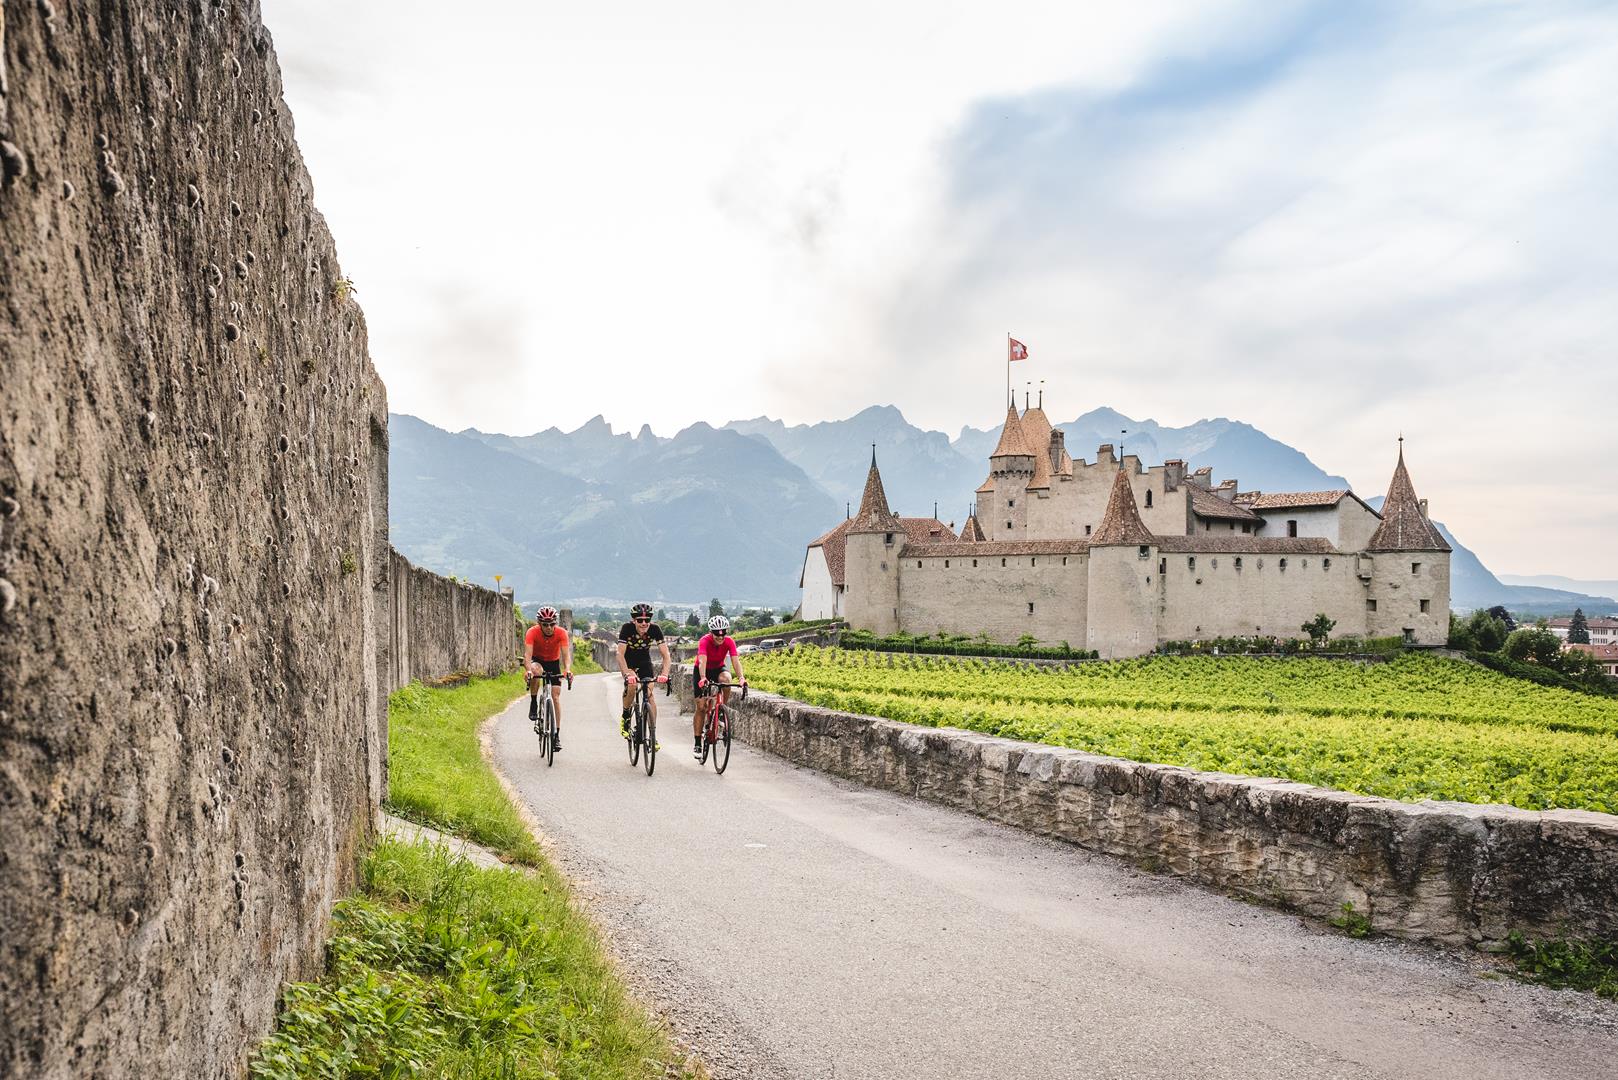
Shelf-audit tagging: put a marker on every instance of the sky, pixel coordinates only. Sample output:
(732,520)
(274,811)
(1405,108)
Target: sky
(1336,222)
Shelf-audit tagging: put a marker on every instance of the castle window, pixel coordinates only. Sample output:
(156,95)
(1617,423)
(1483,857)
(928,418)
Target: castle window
(1325,564)
(1011,502)
(1064,560)
(1008,524)
(918,564)
(1148,500)
(1247,527)
(1215,564)
(1030,607)
(1002,562)
(1191,562)
(1283,564)
(887,538)
(1415,568)
(1232,526)
(946,564)
(974,562)
(1033,562)
(1207,526)
(1145,552)
(1162,566)
(1087,530)
(1292,527)
(1370,604)
(1424,605)
(1238,562)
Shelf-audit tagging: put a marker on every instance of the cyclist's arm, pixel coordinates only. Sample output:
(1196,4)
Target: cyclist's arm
(567,657)
(663,646)
(623,668)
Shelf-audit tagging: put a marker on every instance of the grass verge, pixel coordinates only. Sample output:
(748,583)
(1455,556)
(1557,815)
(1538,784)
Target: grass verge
(436,772)
(1579,965)
(584,661)
(441,969)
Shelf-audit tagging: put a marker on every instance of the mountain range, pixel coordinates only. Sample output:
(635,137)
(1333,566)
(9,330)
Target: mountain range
(727,511)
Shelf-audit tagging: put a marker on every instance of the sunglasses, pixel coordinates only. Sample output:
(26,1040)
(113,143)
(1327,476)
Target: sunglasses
(643,620)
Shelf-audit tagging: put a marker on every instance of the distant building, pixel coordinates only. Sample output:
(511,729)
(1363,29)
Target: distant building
(1119,558)
(1607,654)
(1602,631)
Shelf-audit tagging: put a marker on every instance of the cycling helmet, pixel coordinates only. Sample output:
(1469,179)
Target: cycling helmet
(546,616)
(641,611)
(719,624)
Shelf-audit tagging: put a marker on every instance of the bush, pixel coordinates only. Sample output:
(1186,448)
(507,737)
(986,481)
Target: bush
(957,645)
(1534,644)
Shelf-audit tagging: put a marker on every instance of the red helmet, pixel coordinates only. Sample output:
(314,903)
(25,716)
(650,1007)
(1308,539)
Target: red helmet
(546,616)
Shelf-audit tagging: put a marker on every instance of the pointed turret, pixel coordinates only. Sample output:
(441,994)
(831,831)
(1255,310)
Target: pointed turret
(1013,441)
(972,532)
(874,515)
(1121,524)
(1404,520)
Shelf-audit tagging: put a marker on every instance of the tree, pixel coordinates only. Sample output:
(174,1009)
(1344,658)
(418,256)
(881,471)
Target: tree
(1499,612)
(1485,632)
(662,614)
(1318,629)
(1536,645)
(715,607)
(1578,633)
(692,620)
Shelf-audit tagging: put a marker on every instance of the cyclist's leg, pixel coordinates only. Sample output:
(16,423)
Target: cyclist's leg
(629,696)
(536,683)
(724,686)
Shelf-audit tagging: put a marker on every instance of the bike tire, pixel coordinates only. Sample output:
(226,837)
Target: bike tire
(650,752)
(548,741)
(634,733)
(707,742)
(721,745)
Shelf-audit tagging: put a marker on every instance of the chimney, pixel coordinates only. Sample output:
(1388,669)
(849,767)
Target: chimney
(1226,490)
(1104,453)
(1058,448)
(1173,473)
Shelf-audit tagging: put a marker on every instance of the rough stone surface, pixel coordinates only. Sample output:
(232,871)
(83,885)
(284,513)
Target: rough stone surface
(195,444)
(441,626)
(1449,872)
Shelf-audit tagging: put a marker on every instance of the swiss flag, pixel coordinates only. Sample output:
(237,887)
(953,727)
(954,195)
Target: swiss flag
(1019,351)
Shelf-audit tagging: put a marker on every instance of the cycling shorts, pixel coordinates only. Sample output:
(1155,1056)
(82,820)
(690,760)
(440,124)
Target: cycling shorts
(713,680)
(552,669)
(644,672)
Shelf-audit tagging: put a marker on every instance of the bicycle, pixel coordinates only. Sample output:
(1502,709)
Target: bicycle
(716,733)
(643,733)
(545,722)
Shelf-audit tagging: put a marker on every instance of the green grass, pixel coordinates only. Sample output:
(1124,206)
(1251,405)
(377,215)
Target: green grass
(439,969)
(436,772)
(1580,965)
(584,662)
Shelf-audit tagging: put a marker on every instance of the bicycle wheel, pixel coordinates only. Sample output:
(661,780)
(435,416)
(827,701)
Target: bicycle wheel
(651,744)
(707,743)
(548,740)
(540,730)
(634,732)
(721,743)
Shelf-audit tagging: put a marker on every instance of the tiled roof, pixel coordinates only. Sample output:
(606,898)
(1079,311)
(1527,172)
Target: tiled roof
(1285,499)
(1404,527)
(1012,440)
(972,532)
(987,487)
(1205,503)
(1252,545)
(1036,431)
(1597,623)
(925,530)
(834,544)
(1600,652)
(997,547)
(874,515)
(1121,524)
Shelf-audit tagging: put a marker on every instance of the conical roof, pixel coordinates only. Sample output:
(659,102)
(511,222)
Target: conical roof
(1013,441)
(972,532)
(1121,524)
(1036,430)
(874,515)
(1404,527)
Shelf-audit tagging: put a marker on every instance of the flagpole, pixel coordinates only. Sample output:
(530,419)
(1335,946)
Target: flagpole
(1008,365)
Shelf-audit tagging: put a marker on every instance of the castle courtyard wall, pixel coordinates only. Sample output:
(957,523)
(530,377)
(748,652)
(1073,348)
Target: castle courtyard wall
(994,596)
(1205,595)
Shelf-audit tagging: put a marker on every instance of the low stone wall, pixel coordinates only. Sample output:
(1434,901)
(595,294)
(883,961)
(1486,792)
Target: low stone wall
(1449,872)
(438,627)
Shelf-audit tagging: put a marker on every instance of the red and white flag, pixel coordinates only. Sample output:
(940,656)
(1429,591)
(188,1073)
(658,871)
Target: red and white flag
(1019,351)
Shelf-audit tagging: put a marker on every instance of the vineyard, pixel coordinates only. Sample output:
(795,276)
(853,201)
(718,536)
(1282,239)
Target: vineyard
(1419,727)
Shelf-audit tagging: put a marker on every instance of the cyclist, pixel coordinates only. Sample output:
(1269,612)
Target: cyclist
(547,658)
(708,675)
(635,640)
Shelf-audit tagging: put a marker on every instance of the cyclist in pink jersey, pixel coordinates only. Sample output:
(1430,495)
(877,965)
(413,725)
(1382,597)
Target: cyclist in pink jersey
(708,674)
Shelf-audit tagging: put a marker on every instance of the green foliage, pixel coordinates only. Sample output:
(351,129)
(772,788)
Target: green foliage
(436,772)
(441,969)
(1583,675)
(778,630)
(1269,645)
(955,645)
(348,563)
(1319,629)
(1581,965)
(343,289)
(584,661)
(1417,727)
(1479,632)
(1351,922)
(693,621)
(1534,644)
(715,607)
(1578,630)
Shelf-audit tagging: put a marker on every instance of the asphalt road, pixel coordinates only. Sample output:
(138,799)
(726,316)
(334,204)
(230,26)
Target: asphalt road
(792,925)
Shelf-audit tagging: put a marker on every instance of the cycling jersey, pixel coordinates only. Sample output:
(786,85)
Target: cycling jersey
(711,653)
(546,648)
(638,654)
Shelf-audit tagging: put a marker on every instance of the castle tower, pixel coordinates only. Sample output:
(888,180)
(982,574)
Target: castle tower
(1123,605)
(1002,509)
(871,560)
(1409,581)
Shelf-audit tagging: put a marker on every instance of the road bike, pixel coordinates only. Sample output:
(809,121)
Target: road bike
(545,722)
(643,728)
(716,733)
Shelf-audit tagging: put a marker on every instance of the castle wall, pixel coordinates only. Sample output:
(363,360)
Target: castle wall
(1123,601)
(819,594)
(1206,596)
(1323,521)
(1400,581)
(995,599)
(871,581)
(1072,504)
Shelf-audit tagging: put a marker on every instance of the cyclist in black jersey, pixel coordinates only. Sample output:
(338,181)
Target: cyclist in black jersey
(635,640)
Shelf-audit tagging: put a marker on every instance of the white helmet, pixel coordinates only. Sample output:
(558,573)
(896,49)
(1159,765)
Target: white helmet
(719,624)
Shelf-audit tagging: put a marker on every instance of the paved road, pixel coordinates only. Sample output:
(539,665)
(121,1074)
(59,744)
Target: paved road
(848,933)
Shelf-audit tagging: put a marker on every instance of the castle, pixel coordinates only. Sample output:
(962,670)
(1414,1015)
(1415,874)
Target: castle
(1110,556)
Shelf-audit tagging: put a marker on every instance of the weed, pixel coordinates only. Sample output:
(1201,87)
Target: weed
(348,564)
(1581,965)
(343,290)
(308,365)
(1351,922)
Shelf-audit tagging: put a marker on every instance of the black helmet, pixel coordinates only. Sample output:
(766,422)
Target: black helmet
(641,611)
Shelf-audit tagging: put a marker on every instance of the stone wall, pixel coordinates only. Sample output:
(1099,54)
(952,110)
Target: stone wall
(1449,872)
(1005,597)
(440,627)
(193,526)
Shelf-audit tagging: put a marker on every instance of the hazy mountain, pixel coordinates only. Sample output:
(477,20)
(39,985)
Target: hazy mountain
(701,514)
(727,511)
(1604,590)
